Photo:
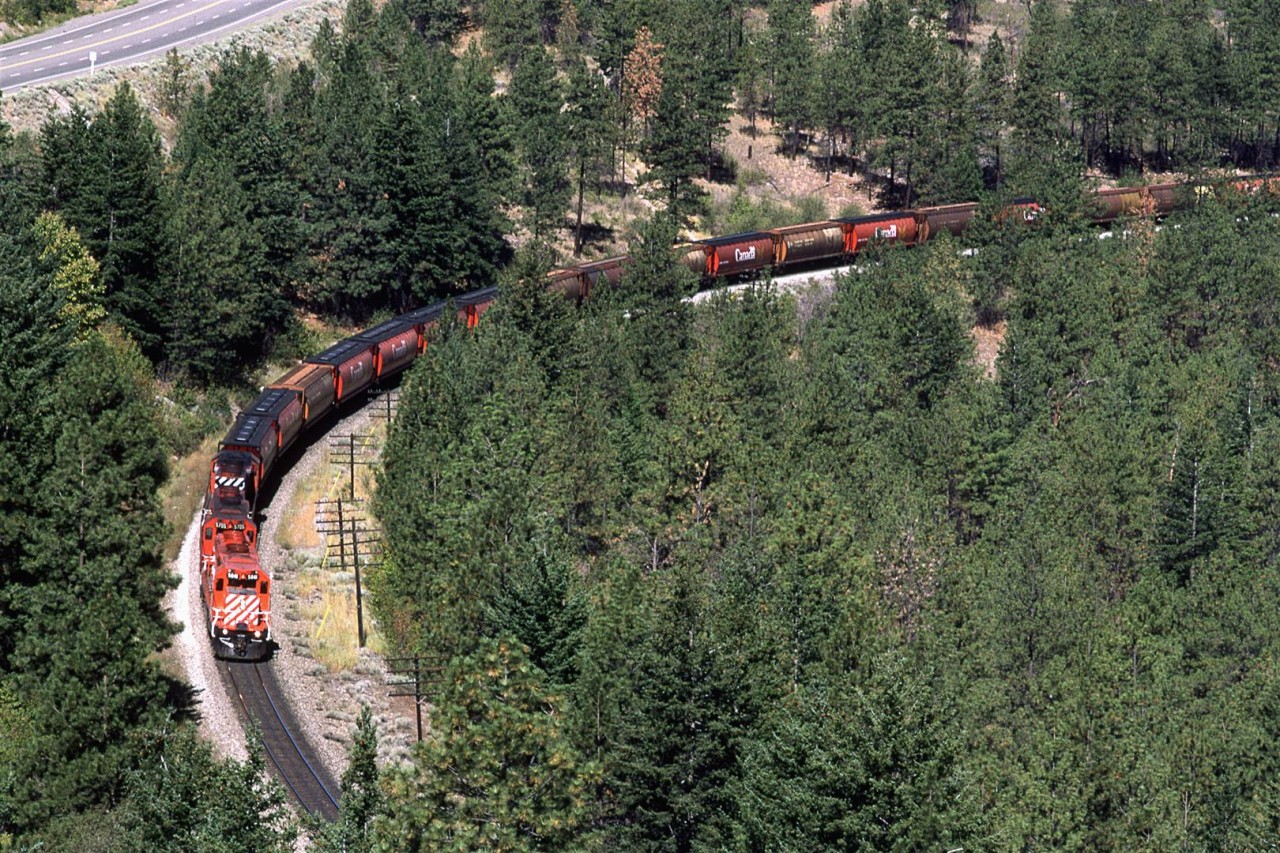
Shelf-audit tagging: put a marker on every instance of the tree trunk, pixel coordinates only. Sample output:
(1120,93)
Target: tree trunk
(577,228)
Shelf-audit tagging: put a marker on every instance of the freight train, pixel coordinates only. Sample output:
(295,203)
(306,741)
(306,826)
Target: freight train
(236,587)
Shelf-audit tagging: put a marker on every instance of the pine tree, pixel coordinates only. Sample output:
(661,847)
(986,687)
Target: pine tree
(848,766)
(181,797)
(436,20)
(498,772)
(98,582)
(459,517)
(362,799)
(652,291)
(590,135)
(36,346)
(672,753)
(537,101)
(992,98)
(642,81)
(1037,125)
(512,28)
(219,321)
(791,61)
(699,63)
(234,128)
(20,180)
(104,176)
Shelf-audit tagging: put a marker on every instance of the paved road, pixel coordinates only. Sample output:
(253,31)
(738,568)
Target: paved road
(129,35)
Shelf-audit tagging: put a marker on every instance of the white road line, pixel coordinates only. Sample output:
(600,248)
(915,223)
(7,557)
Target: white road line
(60,64)
(146,41)
(108,29)
(24,53)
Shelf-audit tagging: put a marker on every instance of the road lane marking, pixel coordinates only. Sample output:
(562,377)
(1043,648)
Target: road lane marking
(126,35)
(259,13)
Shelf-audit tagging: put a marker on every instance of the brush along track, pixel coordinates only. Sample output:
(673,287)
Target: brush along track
(254,687)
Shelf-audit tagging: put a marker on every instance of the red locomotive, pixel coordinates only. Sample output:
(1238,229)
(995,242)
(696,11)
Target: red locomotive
(237,587)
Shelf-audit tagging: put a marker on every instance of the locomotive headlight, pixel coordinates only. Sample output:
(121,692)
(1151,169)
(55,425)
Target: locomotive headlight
(223,631)
(257,635)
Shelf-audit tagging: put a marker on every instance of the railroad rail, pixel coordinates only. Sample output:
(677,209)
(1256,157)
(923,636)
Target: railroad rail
(289,754)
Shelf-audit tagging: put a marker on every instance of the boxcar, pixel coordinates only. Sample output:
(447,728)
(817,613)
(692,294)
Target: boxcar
(395,346)
(314,382)
(283,407)
(897,227)
(954,218)
(739,253)
(813,241)
(351,362)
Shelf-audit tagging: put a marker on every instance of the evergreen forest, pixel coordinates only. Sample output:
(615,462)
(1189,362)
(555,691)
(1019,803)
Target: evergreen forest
(761,572)
(766,575)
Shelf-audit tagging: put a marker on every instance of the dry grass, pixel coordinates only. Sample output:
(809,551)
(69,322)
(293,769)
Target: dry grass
(181,496)
(987,342)
(325,593)
(329,603)
(296,528)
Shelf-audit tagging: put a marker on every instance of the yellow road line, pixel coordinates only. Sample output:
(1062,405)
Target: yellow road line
(84,48)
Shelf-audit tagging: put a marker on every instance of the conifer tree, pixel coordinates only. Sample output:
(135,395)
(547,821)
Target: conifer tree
(871,765)
(498,772)
(652,291)
(96,595)
(221,312)
(672,756)
(104,178)
(182,797)
(991,99)
(791,61)
(590,135)
(436,20)
(362,799)
(537,101)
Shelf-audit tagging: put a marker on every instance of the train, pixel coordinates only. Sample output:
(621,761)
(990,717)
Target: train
(237,588)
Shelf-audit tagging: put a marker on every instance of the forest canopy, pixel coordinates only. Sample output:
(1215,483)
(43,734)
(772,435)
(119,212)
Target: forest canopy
(807,579)
(766,572)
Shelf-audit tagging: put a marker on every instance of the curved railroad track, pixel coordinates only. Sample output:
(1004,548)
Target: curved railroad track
(294,762)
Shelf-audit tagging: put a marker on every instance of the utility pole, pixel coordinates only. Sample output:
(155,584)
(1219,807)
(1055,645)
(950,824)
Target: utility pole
(414,675)
(350,451)
(340,517)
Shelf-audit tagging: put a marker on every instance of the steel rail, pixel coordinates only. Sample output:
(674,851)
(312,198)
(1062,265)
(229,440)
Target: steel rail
(288,754)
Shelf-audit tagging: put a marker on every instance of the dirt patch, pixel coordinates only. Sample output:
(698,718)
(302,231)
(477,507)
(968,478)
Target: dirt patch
(767,171)
(987,341)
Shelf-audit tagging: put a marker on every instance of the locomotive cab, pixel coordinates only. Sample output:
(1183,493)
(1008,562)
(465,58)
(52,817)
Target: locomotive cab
(233,479)
(236,589)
